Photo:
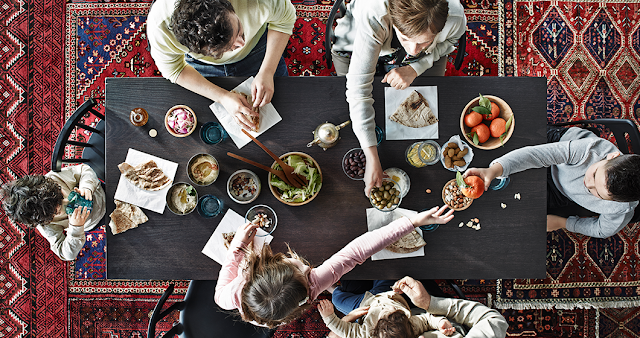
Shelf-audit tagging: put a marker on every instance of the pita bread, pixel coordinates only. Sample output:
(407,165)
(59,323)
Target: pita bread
(147,176)
(414,112)
(126,216)
(407,244)
(227,237)
(254,119)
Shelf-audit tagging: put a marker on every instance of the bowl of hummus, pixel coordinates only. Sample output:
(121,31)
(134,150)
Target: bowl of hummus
(203,169)
(182,198)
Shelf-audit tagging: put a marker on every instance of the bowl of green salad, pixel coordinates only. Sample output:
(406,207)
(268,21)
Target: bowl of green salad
(304,165)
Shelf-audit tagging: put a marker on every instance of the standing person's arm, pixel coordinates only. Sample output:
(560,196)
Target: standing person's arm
(262,87)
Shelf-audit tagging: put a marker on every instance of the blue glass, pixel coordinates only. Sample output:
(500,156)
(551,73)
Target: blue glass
(379,135)
(213,133)
(209,206)
(499,183)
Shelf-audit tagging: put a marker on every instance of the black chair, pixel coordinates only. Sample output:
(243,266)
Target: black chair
(620,129)
(201,317)
(92,150)
(339,9)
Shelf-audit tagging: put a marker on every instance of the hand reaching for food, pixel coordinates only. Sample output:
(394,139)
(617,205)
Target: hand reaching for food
(432,216)
(241,109)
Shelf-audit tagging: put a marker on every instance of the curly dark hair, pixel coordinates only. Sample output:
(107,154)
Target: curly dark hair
(394,325)
(413,17)
(32,200)
(203,26)
(623,177)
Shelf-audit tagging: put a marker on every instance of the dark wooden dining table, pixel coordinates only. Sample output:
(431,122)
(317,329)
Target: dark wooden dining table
(510,244)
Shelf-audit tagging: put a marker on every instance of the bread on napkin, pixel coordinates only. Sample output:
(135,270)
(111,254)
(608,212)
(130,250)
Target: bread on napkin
(254,119)
(227,237)
(407,244)
(414,112)
(126,216)
(147,175)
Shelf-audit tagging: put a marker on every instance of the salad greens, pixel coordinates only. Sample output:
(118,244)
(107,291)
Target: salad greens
(305,167)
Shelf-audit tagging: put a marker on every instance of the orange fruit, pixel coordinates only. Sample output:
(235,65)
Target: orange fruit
(474,188)
(495,112)
(472,119)
(482,131)
(498,127)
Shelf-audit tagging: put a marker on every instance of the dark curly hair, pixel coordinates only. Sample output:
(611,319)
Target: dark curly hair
(32,200)
(394,325)
(203,26)
(623,177)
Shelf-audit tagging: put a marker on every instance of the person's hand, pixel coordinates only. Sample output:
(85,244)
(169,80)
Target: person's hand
(238,105)
(84,192)
(325,308)
(445,327)
(262,89)
(246,232)
(373,170)
(486,174)
(400,77)
(355,314)
(415,290)
(555,223)
(432,216)
(79,216)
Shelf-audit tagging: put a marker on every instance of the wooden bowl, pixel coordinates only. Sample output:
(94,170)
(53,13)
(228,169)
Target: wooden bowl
(276,192)
(166,120)
(505,113)
(468,201)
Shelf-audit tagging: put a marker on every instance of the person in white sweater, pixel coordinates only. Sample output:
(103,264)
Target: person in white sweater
(402,39)
(40,201)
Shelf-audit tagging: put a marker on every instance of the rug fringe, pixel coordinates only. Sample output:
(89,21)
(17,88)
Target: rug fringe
(580,304)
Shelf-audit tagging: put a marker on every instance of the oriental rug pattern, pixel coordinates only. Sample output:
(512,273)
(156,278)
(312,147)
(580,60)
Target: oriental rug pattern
(589,51)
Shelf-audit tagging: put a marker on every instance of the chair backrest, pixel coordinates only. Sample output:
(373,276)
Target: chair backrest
(201,317)
(620,128)
(93,149)
(337,11)
(462,50)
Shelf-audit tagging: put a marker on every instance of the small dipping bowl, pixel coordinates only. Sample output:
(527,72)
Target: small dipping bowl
(213,133)
(203,164)
(209,206)
(271,215)
(170,203)
(346,165)
(243,186)
(401,178)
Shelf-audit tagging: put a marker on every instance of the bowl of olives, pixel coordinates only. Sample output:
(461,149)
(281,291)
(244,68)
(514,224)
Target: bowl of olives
(386,197)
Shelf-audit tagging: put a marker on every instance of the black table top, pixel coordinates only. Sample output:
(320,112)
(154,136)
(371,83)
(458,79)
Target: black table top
(511,243)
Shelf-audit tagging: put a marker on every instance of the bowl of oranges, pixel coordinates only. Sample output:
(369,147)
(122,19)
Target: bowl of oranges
(487,122)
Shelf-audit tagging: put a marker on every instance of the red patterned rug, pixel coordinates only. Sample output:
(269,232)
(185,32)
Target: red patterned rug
(590,52)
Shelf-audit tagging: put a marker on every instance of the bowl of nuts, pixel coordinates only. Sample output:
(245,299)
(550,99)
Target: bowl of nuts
(354,163)
(456,154)
(386,197)
(453,197)
(264,216)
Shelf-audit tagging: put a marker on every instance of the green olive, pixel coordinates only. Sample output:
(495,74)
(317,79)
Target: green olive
(396,200)
(386,195)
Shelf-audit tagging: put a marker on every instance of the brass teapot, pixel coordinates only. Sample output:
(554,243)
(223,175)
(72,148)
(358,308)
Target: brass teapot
(327,135)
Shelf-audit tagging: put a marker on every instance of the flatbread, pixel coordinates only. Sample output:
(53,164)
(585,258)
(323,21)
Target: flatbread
(227,237)
(126,216)
(254,119)
(407,244)
(147,175)
(414,112)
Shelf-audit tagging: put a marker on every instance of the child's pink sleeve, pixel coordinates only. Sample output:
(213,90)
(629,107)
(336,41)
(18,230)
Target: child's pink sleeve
(230,283)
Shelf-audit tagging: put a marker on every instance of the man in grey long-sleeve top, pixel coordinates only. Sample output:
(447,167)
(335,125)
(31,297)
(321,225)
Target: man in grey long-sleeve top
(586,169)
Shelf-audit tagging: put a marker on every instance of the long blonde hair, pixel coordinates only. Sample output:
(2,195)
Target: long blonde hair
(275,288)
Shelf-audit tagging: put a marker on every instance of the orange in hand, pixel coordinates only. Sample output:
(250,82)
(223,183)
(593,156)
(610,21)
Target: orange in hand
(481,131)
(472,119)
(498,127)
(471,186)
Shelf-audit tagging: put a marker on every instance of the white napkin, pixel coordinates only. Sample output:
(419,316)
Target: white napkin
(151,200)
(392,100)
(377,219)
(268,117)
(215,248)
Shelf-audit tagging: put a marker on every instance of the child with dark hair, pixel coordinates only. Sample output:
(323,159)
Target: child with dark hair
(40,201)
(272,289)
(194,39)
(387,313)
(585,169)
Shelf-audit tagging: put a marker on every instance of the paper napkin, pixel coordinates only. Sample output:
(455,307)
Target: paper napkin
(268,117)
(151,200)
(392,100)
(377,219)
(215,248)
